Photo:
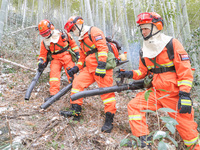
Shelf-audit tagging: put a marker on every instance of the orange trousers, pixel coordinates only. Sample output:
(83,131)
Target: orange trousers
(85,78)
(56,66)
(187,127)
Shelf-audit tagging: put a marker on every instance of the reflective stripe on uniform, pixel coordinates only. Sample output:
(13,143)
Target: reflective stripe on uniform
(66,45)
(53,79)
(135,117)
(101,71)
(80,63)
(169,64)
(191,142)
(102,54)
(74,48)
(185,82)
(138,72)
(55,51)
(186,102)
(42,58)
(93,46)
(75,90)
(108,100)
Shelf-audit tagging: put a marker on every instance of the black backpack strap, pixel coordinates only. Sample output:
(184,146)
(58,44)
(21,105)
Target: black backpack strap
(89,33)
(142,58)
(170,49)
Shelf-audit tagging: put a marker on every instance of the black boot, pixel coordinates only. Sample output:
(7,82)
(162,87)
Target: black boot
(75,111)
(145,141)
(107,127)
(46,99)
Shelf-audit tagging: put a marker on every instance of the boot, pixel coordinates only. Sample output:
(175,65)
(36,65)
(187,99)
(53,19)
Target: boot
(75,111)
(107,127)
(46,99)
(144,142)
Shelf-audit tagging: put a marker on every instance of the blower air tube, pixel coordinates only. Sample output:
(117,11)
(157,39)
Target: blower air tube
(134,86)
(56,97)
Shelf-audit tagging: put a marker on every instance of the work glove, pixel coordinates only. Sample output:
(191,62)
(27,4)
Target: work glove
(77,55)
(101,69)
(125,74)
(185,102)
(72,71)
(41,65)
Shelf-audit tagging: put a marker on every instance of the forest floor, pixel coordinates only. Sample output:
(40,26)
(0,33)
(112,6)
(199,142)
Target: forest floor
(25,126)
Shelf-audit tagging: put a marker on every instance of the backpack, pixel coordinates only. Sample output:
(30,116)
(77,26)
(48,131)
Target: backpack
(114,47)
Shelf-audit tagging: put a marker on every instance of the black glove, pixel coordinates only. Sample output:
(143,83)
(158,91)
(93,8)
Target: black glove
(41,65)
(185,102)
(77,55)
(125,74)
(72,71)
(101,69)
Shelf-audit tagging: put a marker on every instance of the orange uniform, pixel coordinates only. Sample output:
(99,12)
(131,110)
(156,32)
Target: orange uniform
(60,60)
(166,87)
(87,74)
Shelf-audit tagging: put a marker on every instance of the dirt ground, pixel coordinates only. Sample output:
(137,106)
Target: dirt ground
(25,126)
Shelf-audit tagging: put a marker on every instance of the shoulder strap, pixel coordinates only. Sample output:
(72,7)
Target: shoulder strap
(47,48)
(58,45)
(89,33)
(142,58)
(170,49)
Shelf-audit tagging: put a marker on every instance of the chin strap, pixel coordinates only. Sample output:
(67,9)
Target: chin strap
(150,35)
(50,35)
(79,29)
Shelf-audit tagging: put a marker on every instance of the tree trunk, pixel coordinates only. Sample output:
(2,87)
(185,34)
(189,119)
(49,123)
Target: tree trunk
(89,13)
(111,19)
(32,10)
(182,33)
(185,18)
(24,14)
(4,4)
(126,19)
(97,14)
(124,39)
(40,11)
(104,16)
(61,15)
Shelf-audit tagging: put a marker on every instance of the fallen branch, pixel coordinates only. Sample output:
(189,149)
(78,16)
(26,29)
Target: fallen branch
(23,29)
(9,134)
(16,64)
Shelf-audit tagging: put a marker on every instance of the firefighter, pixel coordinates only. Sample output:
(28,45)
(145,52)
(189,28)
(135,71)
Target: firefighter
(171,81)
(56,44)
(92,40)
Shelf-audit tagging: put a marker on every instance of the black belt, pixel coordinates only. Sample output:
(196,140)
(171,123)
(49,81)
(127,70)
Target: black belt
(163,69)
(61,51)
(92,51)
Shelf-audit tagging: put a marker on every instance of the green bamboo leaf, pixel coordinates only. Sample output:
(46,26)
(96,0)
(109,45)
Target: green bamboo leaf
(124,142)
(167,110)
(162,145)
(164,90)
(170,127)
(169,120)
(170,138)
(159,135)
(150,111)
(147,93)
